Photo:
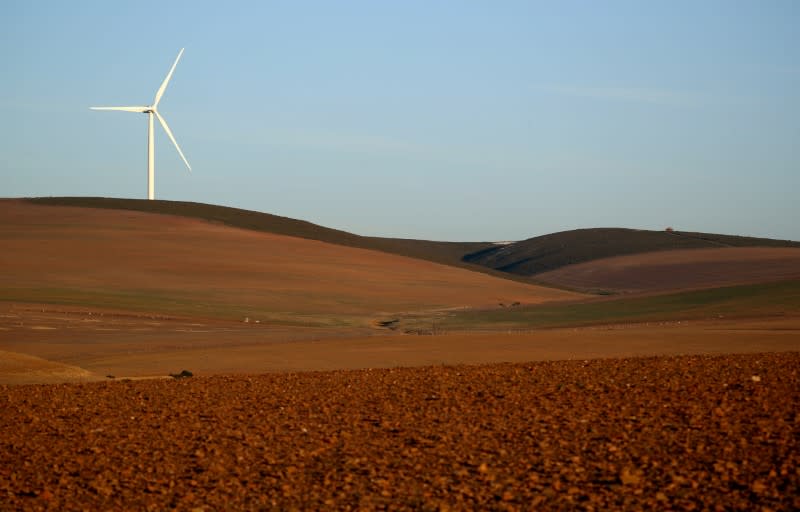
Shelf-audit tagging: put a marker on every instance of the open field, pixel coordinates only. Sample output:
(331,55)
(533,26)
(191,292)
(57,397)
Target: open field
(92,292)
(449,253)
(514,260)
(102,343)
(679,269)
(385,411)
(666,433)
(173,265)
(763,300)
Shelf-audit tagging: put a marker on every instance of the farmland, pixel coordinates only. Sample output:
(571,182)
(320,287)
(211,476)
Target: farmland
(338,374)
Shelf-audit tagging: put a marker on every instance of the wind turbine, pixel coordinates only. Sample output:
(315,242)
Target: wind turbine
(152,110)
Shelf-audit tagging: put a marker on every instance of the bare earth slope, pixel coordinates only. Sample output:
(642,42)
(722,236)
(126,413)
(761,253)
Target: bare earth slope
(448,253)
(679,269)
(177,265)
(514,260)
(666,433)
(136,294)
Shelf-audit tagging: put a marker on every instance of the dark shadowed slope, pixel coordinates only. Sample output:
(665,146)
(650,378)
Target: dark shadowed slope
(549,252)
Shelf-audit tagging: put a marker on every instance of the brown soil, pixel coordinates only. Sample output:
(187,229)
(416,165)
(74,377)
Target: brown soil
(90,293)
(665,433)
(103,342)
(178,265)
(70,253)
(679,269)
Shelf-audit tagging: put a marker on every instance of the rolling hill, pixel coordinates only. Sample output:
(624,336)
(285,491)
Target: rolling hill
(122,289)
(449,253)
(174,265)
(549,252)
(678,270)
(516,260)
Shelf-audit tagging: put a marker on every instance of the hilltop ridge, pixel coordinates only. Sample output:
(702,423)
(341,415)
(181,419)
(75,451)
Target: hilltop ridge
(520,260)
(449,253)
(550,252)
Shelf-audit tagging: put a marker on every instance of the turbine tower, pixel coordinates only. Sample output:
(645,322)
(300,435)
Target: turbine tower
(152,110)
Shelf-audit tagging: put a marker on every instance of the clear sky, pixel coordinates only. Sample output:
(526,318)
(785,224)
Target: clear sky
(446,120)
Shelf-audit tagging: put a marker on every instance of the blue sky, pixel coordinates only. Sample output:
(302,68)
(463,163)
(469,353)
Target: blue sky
(447,120)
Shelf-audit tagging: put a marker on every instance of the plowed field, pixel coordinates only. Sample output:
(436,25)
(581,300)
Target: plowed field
(111,296)
(664,433)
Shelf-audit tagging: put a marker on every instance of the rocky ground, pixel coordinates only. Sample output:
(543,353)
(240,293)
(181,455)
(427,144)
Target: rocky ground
(680,433)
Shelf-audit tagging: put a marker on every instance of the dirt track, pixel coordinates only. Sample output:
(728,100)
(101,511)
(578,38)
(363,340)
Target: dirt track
(685,433)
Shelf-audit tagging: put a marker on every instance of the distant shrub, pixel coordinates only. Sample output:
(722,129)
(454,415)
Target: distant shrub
(183,374)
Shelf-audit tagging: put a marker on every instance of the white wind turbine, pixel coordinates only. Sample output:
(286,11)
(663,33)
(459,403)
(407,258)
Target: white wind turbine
(152,110)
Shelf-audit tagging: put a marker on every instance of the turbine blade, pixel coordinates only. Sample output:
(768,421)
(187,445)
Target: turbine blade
(163,87)
(172,138)
(125,109)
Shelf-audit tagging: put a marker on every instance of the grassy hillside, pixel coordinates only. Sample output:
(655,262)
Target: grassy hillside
(549,252)
(761,300)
